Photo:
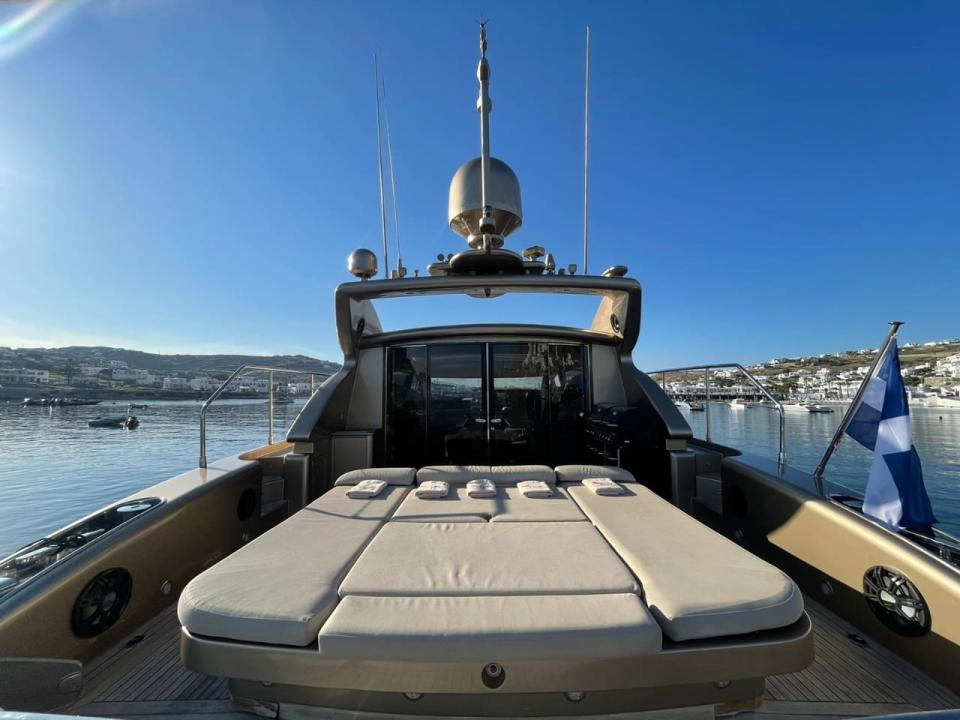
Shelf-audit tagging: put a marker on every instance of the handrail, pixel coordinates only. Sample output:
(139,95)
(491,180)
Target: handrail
(243,369)
(781,454)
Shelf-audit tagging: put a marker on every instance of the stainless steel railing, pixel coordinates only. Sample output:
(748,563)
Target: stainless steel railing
(243,370)
(781,453)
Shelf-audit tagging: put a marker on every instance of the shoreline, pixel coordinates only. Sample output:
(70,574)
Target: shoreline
(16,394)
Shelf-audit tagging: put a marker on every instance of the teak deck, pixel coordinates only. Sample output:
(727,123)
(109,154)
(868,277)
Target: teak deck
(145,678)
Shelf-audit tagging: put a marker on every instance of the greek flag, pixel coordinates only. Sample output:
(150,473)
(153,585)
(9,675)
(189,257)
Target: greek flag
(895,494)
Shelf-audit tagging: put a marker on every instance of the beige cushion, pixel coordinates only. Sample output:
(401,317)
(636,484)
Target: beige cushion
(544,558)
(508,506)
(576,473)
(391,476)
(500,474)
(454,474)
(512,474)
(282,586)
(696,583)
(485,629)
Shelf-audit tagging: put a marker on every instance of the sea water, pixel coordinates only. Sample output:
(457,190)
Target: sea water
(55,469)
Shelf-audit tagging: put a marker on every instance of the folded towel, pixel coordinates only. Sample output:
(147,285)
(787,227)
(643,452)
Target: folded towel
(534,488)
(481,488)
(432,489)
(603,486)
(366,489)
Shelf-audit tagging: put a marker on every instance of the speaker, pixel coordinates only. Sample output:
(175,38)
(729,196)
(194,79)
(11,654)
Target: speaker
(101,603)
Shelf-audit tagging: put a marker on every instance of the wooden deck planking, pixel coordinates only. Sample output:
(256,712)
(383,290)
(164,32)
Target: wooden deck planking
(845,672)
(845,680)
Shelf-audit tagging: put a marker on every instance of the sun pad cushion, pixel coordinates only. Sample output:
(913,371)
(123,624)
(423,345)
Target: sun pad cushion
(509,505)
(696,583)
(281,587)
(481,629)
(432,559)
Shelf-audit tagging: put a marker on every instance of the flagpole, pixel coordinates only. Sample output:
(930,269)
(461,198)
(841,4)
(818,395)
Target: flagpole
(848,415)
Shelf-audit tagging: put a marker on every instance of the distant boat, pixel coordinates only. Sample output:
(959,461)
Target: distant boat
(740,403)
(815,408)
(697,407)
(123,421)
(134,406)
(682,404)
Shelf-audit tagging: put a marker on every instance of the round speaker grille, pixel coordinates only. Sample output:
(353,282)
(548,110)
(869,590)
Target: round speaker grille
(896,601)
(101,603)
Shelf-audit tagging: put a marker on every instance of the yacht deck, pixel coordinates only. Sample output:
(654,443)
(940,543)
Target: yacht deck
(144,677)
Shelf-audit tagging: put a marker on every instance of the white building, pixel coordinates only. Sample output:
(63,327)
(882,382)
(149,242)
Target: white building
(204,383)
(116,364)
(175,383)
(250,385)
(23,376)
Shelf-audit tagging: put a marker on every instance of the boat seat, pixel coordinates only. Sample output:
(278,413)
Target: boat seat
(481,629)
(577,473)
(508,506)
(434,559)
(696,583)
(391,476)
(281,587)
(499,474)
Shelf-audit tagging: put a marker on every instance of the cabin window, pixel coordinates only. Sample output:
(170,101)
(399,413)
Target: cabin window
(484,403)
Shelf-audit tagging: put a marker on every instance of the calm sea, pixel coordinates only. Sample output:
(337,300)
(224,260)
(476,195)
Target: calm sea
(55,469)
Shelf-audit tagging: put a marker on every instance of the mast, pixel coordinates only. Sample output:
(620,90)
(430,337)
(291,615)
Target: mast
(484,105)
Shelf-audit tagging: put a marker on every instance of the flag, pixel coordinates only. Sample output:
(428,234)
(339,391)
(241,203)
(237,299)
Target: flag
(895,492)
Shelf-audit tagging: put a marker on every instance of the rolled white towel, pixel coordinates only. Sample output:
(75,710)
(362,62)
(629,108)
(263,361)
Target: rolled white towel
(432,489)
(366,489)
(535,488)
(481,488)
(603,486)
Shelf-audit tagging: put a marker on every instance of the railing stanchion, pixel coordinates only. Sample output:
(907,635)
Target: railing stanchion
(706,398)
(781,453)
(226,383)
(270,426)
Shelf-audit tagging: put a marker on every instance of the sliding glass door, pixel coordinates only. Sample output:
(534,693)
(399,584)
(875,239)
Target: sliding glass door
(484,403)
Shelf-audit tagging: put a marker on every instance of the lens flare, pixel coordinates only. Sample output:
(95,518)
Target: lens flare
(31,24)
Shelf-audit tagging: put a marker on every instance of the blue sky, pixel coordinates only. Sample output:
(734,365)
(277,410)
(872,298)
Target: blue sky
(782,177)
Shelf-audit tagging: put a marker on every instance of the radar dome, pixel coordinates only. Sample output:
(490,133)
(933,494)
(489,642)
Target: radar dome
(503,196)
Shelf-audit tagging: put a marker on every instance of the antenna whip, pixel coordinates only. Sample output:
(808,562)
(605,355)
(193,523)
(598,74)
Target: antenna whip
(586,158)
(383,209)
(393,175)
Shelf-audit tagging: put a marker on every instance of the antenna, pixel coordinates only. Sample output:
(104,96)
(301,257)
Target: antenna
(393,176)
(487,224)
(586,158)
(383,209)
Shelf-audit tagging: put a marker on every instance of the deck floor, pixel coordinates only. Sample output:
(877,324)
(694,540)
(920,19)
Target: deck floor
(145,677)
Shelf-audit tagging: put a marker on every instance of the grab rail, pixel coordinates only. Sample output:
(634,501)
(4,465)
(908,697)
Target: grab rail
(781,454)
(243,369)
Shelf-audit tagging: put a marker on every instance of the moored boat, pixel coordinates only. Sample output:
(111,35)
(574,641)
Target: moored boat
(128,422)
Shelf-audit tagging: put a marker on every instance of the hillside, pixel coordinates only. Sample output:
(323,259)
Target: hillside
(60,359)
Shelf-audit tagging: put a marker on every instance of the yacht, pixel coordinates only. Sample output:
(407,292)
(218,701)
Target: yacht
(485,520)
(741,404)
